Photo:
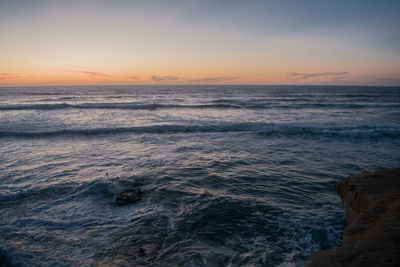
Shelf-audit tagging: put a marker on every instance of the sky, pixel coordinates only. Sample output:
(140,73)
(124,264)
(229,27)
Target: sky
(340,42)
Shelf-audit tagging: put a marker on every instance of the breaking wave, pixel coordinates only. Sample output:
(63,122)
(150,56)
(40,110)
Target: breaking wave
(221,104)
(264,129)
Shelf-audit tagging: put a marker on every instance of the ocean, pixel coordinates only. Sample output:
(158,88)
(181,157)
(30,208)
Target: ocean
(231,175)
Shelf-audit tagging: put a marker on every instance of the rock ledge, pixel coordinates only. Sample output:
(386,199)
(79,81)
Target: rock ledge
(372,237)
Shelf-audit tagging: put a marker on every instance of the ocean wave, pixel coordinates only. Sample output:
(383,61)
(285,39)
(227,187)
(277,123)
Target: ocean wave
(101,188)
(217,104)
(132,106)
(35,106)
(37,192)
(264,129)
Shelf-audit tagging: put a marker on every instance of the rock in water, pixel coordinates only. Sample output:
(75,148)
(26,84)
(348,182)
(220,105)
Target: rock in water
(4,261)
(372,237)
(128,197)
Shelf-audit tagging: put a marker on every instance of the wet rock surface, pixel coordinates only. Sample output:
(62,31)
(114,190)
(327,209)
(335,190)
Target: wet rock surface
(129,197)
(372,237)
(4,261)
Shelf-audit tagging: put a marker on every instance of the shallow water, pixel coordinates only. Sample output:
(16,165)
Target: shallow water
(231,175)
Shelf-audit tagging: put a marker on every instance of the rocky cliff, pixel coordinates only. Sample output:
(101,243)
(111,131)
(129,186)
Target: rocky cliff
(372,237)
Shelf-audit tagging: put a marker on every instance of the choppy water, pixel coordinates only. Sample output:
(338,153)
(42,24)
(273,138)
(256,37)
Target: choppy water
(231,175)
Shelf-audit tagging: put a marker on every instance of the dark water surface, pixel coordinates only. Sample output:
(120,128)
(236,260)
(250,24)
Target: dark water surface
(231,175)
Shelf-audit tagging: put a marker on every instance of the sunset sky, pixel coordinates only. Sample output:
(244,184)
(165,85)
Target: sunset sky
(54,42)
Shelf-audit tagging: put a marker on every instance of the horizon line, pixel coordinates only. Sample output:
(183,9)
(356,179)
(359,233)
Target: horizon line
(206,84)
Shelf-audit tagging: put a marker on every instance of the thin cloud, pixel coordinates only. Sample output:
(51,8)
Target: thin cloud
(5,76)
(304,76)
(339,79)
(133,77)
(85,72)
(166,78)
(212,79)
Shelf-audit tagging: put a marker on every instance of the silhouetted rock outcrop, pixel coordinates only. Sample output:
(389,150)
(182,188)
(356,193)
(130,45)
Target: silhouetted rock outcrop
(4,261)
(372,237)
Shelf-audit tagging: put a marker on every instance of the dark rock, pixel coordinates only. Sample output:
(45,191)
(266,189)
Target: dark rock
(128,197)
(142,252)
(372,237)
(4,261)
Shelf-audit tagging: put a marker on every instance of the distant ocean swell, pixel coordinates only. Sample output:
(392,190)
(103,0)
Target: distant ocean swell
(217,105)
(264,129)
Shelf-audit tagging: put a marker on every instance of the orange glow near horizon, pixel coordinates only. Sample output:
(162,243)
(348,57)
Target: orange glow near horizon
(87,77)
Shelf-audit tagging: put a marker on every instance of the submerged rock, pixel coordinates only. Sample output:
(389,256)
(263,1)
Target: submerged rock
(128,197)
(372,237)
(142,252)
(4,261)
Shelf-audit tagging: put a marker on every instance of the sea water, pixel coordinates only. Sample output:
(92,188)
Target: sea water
(231,175)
